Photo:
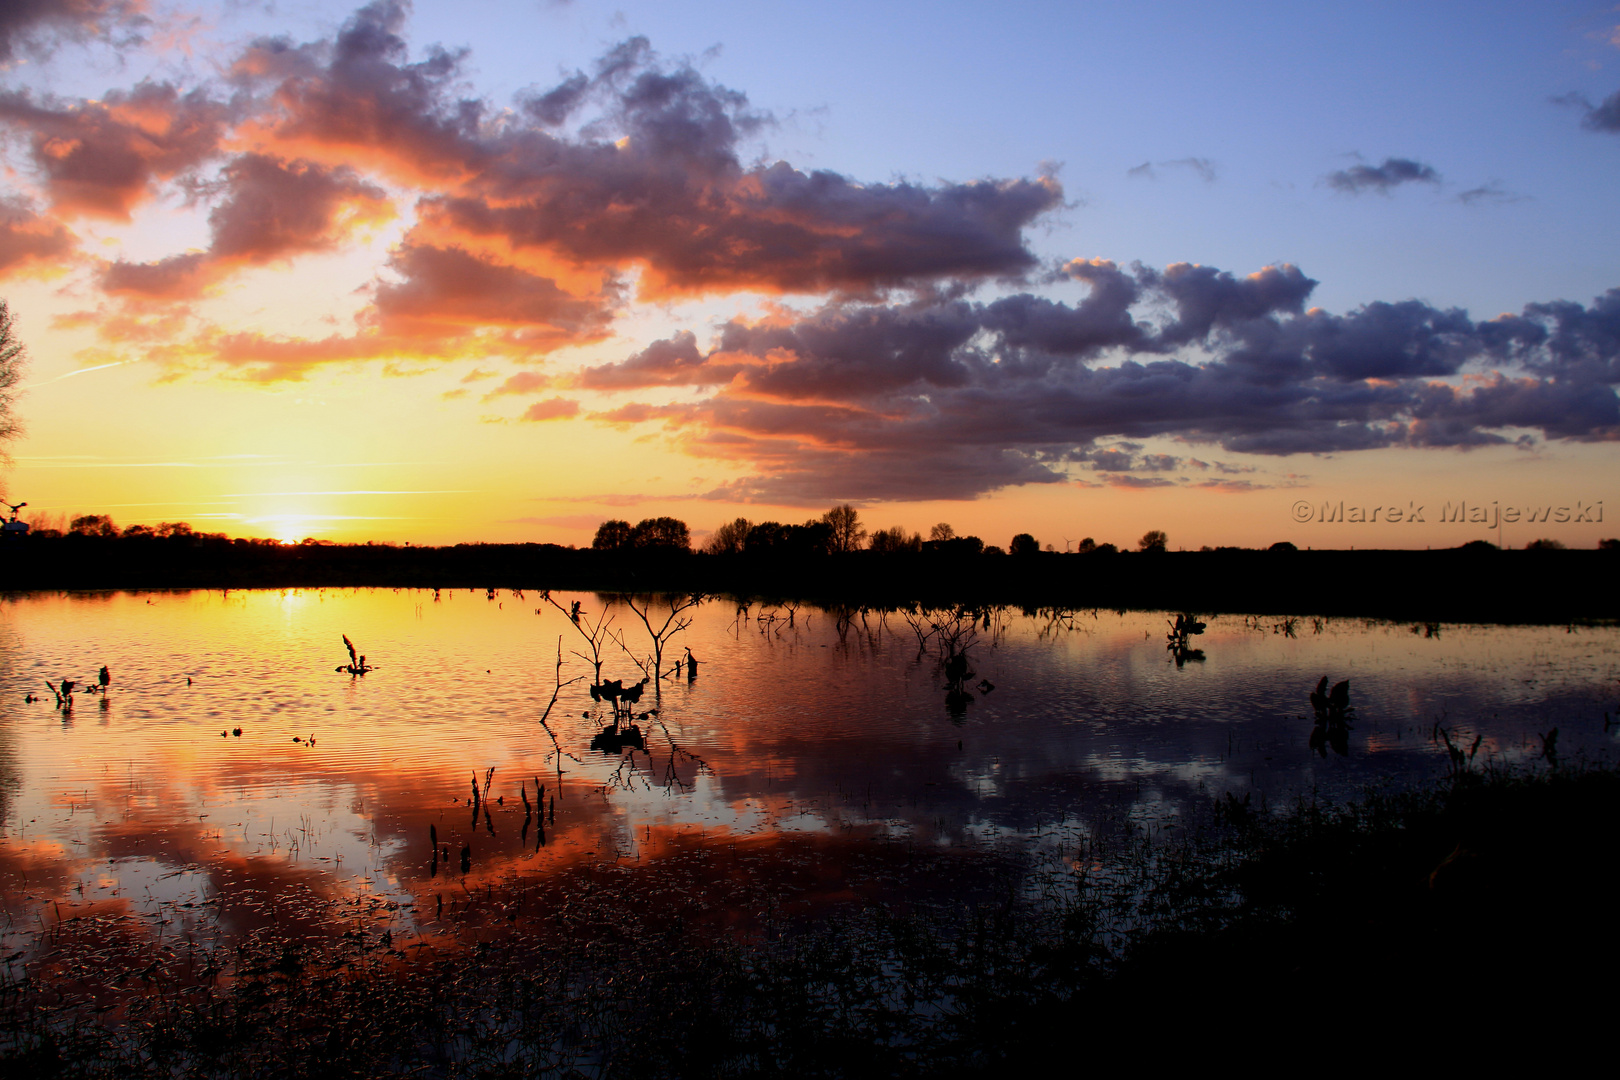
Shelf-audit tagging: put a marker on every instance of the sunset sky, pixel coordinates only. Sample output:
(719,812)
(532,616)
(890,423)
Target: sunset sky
(500,270)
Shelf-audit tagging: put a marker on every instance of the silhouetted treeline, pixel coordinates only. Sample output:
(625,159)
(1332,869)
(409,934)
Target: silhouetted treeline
(1474,583)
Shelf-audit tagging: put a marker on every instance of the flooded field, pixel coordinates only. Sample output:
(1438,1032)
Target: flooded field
(233,777)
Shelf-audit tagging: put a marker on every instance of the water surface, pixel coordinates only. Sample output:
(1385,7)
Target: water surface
(825,734)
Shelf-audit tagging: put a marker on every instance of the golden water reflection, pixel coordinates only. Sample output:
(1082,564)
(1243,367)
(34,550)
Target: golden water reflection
(825,736)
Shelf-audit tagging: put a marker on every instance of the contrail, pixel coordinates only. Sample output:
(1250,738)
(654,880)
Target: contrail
(69,375)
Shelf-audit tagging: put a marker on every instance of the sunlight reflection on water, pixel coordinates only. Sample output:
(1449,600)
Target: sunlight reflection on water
(142,803)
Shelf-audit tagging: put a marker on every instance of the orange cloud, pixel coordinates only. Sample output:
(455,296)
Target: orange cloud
(524,382)
(447,305)
(449,292)
(556,408)
(274,210)
(30,242)
(670,196)
(104,158)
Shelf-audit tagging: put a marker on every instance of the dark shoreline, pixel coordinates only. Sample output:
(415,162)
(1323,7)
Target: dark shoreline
(1471,584)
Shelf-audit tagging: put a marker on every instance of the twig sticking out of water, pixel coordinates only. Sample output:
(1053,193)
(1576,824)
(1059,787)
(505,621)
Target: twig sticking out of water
(556,747)
(596,635)
(674,623)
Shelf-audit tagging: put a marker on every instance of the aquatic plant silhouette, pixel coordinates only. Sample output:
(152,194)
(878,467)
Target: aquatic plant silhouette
(618,737)
(1333,716)
(1462,761)
(357,664)
(63,694)
(957,673)
(621,732)
(1185,626)
(622,698)
(953,631)
(63,691)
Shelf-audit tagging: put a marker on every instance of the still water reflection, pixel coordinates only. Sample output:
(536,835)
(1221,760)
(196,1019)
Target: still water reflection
(143,803)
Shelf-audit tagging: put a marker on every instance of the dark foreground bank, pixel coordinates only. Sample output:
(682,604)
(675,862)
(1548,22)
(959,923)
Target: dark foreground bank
(1474,583)
(1473,920)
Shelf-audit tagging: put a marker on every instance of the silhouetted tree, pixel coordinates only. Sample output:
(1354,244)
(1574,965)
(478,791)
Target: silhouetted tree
(1024,544)
(1085,547)
(942,532)
(776,539)
(1544,544)
(665,533)
(895,539)
(766,536)
(846,533)
(729,538)
(812,538)
(13,356)
(612,535)
(1153,540)
(92,525)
